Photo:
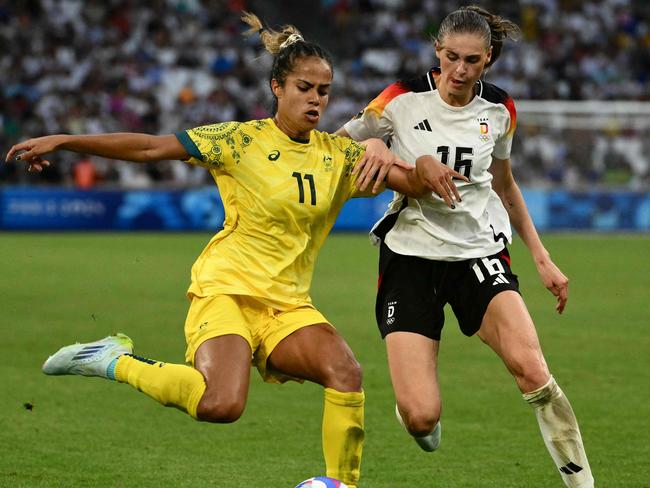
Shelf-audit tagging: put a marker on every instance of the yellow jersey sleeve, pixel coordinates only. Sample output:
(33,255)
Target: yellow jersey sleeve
(215,146)
(353,152)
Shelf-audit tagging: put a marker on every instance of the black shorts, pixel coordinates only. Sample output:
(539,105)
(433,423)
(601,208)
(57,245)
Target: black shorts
(413,291)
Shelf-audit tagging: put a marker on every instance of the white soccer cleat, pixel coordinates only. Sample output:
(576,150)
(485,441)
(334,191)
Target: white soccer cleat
(429,442)
(90,359)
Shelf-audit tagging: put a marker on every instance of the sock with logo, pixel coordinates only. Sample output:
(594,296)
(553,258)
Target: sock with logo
(343,435)
(173,385)
(561,434)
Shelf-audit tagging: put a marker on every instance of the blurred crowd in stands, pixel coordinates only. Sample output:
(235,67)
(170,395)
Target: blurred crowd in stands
(90,66)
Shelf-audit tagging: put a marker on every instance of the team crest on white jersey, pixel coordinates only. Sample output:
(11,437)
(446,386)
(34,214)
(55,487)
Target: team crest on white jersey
(484,129)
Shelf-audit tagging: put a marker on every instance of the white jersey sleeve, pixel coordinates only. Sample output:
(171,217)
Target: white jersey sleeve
(377,119)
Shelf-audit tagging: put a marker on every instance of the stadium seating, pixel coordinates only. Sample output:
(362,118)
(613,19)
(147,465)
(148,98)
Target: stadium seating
(158,67)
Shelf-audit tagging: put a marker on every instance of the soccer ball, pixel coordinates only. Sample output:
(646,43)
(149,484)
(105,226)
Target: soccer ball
(322,482)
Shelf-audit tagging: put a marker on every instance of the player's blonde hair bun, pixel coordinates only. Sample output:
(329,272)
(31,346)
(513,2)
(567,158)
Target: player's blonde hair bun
(274,41)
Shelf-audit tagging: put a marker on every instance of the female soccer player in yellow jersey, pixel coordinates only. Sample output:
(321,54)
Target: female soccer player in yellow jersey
(282,183)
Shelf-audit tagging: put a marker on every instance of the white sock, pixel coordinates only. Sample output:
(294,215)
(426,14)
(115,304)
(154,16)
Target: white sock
(430,442)
(561,434)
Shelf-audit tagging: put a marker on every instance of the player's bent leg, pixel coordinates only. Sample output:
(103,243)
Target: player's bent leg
(319,354)
(112,358)
(412,360)
(508,329)
(225,363)
(172,385)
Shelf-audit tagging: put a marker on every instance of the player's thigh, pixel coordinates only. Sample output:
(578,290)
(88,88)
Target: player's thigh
(413,365)
(225,363)
(509,330)
(219,342)
(316,352)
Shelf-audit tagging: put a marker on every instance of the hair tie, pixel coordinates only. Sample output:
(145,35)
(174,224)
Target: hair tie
(292,39)
(260,31)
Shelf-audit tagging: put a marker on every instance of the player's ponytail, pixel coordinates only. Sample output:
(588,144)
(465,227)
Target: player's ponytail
(476,20)
(286,45)
(500,30)
(274,41)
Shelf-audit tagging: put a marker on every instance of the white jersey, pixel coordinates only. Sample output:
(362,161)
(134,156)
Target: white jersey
(415,120)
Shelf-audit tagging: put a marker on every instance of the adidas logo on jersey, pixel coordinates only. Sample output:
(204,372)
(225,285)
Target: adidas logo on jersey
(424,125)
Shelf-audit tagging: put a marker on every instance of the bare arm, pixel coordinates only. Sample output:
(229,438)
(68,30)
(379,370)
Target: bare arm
(505,186)
(124,146)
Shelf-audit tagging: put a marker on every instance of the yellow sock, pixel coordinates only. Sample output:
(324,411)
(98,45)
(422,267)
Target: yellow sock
(173,385)
(343,435)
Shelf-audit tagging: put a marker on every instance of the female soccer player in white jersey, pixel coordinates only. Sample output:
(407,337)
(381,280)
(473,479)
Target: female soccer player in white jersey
(450,247)
(282,183)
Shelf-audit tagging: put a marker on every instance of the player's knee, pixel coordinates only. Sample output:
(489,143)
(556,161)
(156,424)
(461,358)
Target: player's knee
(220,410)
(344,374)
(419,422)
(531,375)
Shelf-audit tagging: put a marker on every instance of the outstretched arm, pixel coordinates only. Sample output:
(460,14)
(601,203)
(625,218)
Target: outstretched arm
(124,146)
(504,185)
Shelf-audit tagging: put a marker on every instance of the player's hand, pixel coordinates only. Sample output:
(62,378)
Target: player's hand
(555,281)
(375,163)
(32,150)
(439,178)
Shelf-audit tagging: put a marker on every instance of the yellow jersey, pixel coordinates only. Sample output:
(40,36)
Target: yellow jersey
(281,197)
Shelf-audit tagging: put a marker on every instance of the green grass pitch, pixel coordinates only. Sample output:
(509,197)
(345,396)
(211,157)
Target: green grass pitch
(70,431)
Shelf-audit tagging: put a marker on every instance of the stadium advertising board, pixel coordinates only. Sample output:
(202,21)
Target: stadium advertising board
(201,209)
